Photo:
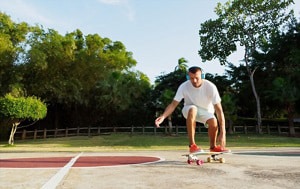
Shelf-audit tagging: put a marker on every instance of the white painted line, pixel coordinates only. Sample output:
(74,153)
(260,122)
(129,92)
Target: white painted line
(125,165)
(58,177)
(146,163)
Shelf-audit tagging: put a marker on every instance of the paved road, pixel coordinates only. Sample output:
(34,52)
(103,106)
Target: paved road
(278,168)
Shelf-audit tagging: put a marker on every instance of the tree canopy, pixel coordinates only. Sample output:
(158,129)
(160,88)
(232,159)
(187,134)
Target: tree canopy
(248,23)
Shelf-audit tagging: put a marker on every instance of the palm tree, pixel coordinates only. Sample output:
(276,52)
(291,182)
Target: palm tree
(181,64)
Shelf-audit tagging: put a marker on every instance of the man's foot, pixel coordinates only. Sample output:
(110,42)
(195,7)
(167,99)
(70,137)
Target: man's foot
(194,148)
(219,149)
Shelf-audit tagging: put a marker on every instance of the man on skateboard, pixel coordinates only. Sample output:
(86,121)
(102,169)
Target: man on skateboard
(201,101)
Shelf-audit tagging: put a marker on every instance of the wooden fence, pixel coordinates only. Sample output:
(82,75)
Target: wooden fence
(94,131)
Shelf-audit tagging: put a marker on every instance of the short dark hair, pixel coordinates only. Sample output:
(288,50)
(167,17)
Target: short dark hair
(194,69)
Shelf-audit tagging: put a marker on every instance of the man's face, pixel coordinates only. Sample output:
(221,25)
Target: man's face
(196,79)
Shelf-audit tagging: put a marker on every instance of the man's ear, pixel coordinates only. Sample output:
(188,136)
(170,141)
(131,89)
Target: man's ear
(202,75)
(188,77)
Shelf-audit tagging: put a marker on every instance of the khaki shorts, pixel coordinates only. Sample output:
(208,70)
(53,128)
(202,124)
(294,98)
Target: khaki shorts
(202,114)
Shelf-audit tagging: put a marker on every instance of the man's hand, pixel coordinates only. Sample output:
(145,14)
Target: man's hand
(159,120)
(222,140)
(168,111)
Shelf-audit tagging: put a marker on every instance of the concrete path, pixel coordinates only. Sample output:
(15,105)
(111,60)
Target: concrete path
(275,168)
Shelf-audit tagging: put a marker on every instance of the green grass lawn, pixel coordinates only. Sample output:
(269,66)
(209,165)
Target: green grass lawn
(144,142)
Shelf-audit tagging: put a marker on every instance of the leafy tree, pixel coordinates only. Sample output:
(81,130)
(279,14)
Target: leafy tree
(283,72)
(77,75)
(241,88)
(17,109)
(165,99)
(285,93)
(119,97)
(67,70)
(230,110)
(12,37)
(248,23)
(222,82)
(48,67)
(227,93)
(118,92)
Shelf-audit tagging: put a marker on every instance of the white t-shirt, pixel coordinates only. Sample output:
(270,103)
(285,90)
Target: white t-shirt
(204,96)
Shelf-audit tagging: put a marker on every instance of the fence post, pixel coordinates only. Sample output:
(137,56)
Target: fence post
(45,133)
(245,129)
(35,133)
(154,130)
(143,129)
(24,134)
(55,133)
(67,132)
(89,131)
(132,129)
(99,130)
(176,128)
(268,129)
(78,130)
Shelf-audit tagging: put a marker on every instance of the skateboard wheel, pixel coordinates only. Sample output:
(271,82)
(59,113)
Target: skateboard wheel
(189,161)
(222,160)
(199,162)
(209,159)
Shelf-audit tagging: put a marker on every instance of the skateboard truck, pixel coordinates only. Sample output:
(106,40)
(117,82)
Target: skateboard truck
(192,158)
(215,158)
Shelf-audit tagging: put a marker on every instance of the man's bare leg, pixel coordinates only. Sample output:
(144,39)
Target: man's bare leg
(191,124)
(212,131)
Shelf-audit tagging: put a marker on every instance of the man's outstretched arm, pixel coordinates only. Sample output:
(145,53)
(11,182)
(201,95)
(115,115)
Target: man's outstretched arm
(168,111)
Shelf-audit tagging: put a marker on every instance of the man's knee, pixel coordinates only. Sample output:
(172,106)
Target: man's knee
(192,112)
(212,123)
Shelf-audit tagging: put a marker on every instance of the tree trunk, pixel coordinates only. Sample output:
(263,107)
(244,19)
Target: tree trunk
(292,132)
(258,127)
(12,133)
(230,130)
(251,75)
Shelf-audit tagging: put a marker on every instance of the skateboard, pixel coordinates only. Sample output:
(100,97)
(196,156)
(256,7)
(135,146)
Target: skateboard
(213,156)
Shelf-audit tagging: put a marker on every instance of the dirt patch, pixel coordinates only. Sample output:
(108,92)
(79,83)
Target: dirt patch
(292,176)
